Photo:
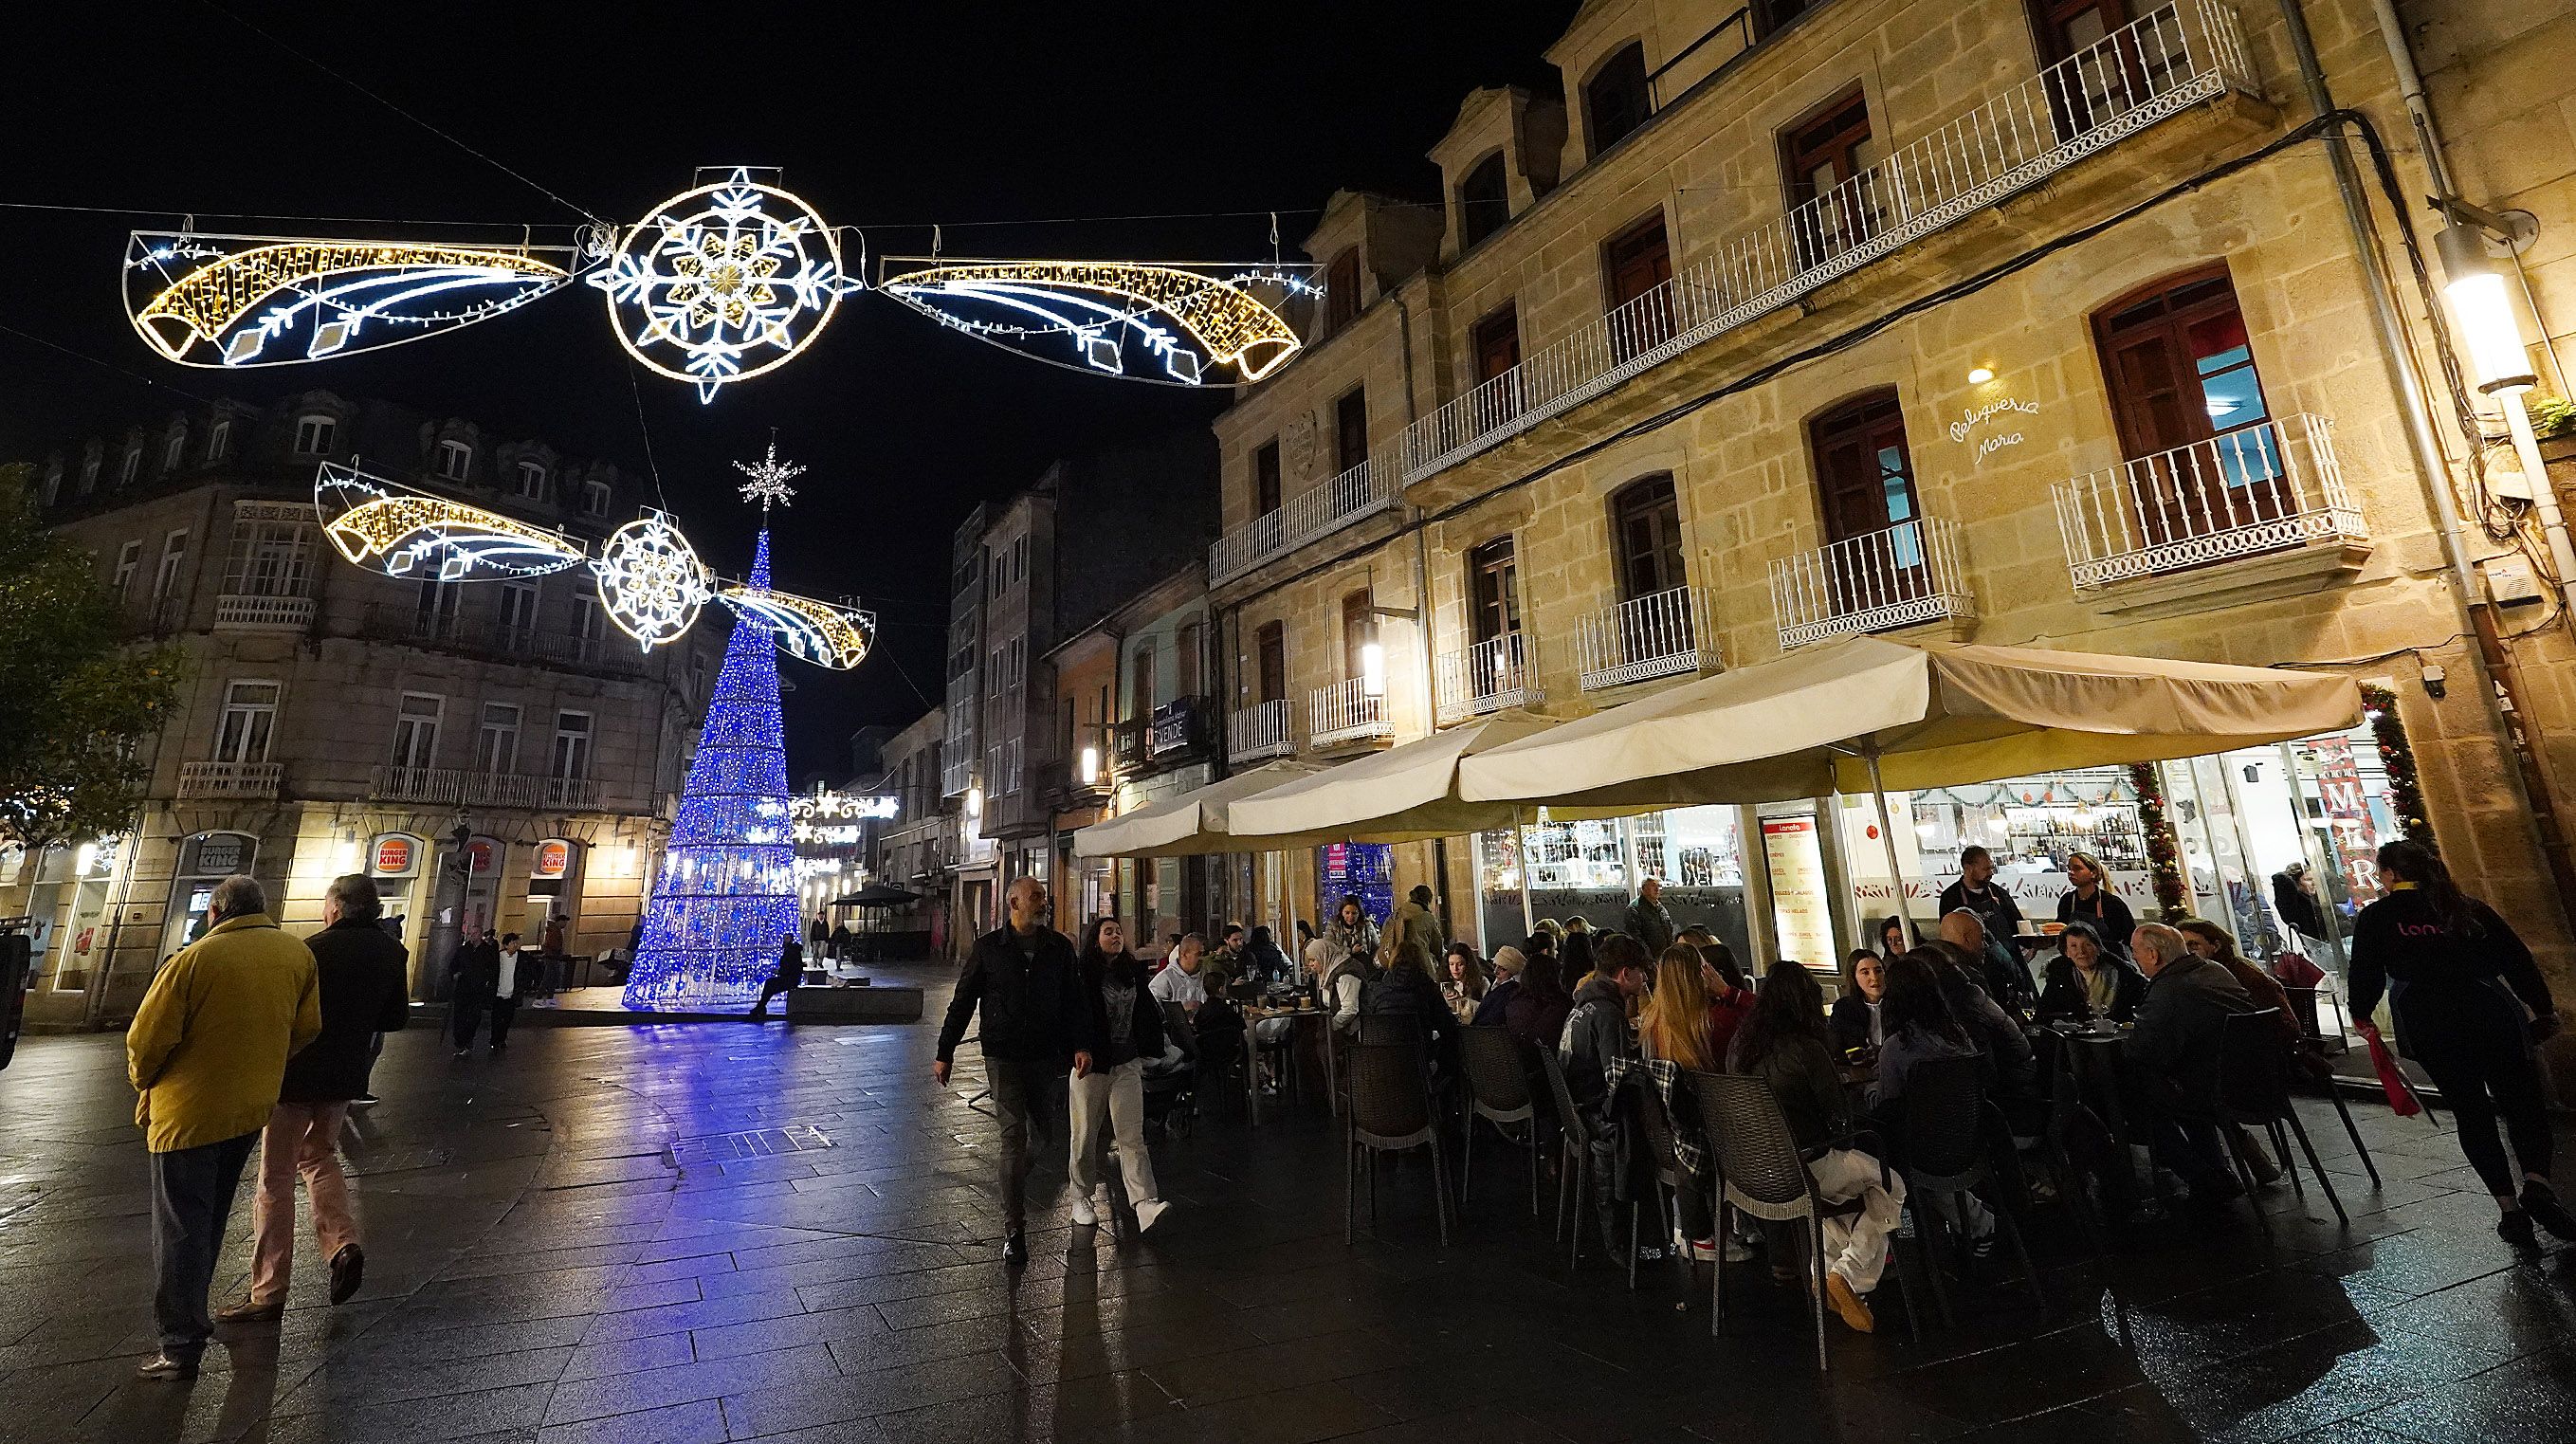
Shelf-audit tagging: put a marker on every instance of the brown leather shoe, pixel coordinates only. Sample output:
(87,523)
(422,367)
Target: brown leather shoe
(1853,1309)
(348,1270)
(249,1311)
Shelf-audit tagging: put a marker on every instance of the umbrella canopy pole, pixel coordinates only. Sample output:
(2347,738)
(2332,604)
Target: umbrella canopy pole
(1886,835)
(1520,850)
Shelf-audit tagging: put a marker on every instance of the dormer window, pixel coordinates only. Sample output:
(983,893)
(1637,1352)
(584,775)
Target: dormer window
(455,460)
(594,498)
(220,439)
(174,451)
(1616,101)
(89,475)
(1342,291)
(1484,201)
(314,435)
(53,482)
(133,464)
(532,481)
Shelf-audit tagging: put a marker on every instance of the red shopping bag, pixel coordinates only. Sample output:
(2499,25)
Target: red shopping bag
(2401,1094)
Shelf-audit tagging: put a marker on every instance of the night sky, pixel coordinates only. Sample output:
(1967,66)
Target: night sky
(1019,115)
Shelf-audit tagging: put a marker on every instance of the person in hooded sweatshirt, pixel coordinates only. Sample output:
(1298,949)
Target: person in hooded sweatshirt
(2459,981)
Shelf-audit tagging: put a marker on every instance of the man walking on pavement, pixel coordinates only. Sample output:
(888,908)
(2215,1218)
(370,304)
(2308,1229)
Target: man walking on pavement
(207,1053)
(1649,921)
(360,973)
(471,976)
(1037,1012)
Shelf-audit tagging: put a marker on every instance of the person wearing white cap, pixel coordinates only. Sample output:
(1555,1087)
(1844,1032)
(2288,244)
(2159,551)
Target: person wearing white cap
(1508,963)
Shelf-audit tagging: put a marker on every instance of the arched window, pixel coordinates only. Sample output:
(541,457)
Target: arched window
(2178,363)
(1864,474)
(1616,100)
(1484,200)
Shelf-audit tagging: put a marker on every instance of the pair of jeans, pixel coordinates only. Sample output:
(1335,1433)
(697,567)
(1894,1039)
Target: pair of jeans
(1019,1091)
(192,1195)
(301,1139)
(1114,1096)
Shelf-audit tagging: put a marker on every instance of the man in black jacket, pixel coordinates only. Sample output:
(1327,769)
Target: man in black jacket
(2177,1046)
(1037,1012)
(360,973)
(1596,1036)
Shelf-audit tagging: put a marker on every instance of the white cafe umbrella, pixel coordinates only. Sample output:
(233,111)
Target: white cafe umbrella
(1193,824)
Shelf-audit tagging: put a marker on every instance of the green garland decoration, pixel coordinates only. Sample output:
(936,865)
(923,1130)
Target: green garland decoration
(2405,787)
(2164,851)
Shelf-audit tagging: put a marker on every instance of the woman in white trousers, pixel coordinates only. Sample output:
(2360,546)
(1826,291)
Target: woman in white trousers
(1113,1092)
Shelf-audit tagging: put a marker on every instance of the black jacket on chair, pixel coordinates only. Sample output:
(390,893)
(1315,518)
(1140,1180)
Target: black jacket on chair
(1037,1008)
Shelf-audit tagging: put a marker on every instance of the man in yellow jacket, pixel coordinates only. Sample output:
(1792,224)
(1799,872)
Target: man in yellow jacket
(207,1051)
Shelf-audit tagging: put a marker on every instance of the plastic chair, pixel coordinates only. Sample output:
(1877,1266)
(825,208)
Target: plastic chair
(1944,1156)
(1498,1092)
(1390,1112)
(1670,1177)
(1761,1171)
(2254,1087)
(1576,1169)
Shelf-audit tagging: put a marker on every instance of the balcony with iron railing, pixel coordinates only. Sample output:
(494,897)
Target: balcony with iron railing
(1364,490)
(2272,491)
(230,781)
(1904,576)
(1484,677)
(2166,61)
(1661,634)
(263,612)
(1345,712)
(458,787)
(1260,732)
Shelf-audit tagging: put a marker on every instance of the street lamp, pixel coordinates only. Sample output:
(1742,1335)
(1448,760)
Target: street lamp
(2499,359)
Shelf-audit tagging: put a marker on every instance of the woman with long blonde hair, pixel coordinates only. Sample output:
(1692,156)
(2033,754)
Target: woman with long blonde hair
(1674,1025)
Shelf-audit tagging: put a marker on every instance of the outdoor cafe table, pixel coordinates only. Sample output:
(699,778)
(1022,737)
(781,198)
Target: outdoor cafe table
(1306,1018)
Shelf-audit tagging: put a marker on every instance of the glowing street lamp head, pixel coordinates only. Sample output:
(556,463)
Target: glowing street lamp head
(1090,766)
(2498,358)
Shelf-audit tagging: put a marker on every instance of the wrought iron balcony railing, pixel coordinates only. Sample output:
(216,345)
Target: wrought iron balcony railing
(1900,577)
(1487,676)
(1364,490)
(2259,489)
(1261,731)
(1662,634)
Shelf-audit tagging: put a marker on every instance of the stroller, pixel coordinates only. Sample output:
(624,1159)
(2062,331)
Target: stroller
(1171,1088)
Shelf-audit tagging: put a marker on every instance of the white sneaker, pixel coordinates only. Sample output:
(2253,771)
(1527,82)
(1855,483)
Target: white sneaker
(1147,1212)
(1082,1213)
(1734,1250)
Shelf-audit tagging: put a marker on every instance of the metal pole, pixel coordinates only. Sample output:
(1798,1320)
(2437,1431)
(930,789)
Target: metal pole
(1886,837)
(1521,851)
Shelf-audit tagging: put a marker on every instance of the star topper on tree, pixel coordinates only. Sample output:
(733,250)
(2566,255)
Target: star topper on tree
(769,478)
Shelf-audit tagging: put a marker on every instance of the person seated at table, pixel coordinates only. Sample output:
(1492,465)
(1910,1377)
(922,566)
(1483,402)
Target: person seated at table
(1596,1034)
(1992,966)
(2091,900)
(2209,941)
(1180,978)
(1784,1042)
(1857,1026)
(1922,1027)
(1225,965)
(2176,1048)
(2087,981)
(1535,1013)
(1350,930)
(1310,952)
(1462,981)
(1263,963)
(1892,942)
(1401,989)
(1673,1038)
(1574,958)
(1995,1032)
(1723,980)
(1509,963)
(1340,993)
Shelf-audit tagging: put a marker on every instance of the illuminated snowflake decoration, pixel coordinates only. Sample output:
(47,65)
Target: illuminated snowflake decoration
(723,282)
(769,478)
(650,580)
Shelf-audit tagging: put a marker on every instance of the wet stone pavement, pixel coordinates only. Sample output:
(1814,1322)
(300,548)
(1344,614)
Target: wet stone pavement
(669,1235)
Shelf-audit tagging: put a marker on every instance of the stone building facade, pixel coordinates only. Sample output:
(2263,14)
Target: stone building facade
(335,720)
(2022,323)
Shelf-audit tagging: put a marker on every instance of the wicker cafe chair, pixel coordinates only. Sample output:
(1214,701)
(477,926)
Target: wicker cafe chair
(1944,1156)
(2254,1087)
(1390,1113)
(1498,1092)
(1760,1171)
(1670,1177)
(1575,1171)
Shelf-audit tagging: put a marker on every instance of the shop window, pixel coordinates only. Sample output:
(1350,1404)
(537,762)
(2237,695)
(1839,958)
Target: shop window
(1828,214)
(249,720)
(1270,650)
(1350,430)
(1635,265)
(1265,478)
(1646,534)
(1341,291)
(1484,200)
(1616,100)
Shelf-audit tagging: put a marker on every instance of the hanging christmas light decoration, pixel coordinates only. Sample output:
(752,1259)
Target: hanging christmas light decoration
(651,582)
(1123,318)
(394,529)
(727,280)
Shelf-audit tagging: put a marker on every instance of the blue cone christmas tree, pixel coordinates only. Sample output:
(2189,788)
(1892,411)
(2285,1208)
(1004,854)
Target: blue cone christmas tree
(726,898)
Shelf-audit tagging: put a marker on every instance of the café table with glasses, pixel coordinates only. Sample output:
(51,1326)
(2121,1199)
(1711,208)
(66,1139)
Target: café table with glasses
(1300,1009)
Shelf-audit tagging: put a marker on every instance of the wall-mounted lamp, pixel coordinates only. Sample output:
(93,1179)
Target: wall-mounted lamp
(1373,669)
(2436,681)
(975,800)
(1090,766)
(2499,360)
(1980,375)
